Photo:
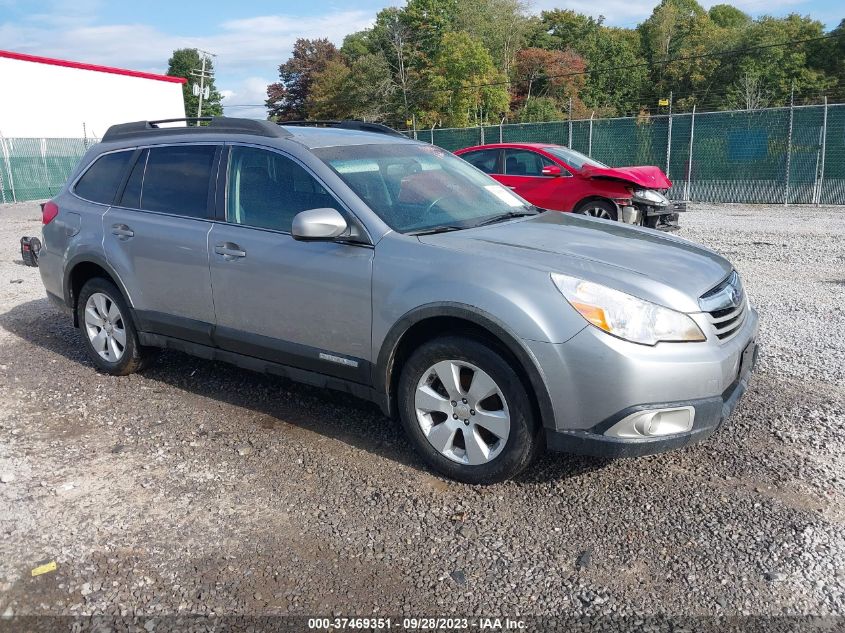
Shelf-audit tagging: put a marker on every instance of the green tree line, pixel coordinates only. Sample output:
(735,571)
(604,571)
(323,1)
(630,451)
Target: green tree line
(457,63)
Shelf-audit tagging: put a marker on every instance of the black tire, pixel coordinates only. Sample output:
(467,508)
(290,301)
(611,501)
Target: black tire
(588,208)
(525,439)
(135,357)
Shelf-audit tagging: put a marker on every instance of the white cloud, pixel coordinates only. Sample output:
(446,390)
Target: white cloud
(245,99)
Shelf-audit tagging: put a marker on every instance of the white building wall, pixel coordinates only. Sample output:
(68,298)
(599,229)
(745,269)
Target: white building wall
(47,100)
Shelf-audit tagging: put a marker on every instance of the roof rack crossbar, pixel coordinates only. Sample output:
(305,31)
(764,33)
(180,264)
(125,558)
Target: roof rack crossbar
(348,124)
(217,124)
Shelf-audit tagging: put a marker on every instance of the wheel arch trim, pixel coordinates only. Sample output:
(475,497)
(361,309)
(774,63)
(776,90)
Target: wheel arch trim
(97,260)
(384,370)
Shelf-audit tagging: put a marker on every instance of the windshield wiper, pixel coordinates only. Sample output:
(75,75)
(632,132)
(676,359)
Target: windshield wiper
(506,216)
(439,229)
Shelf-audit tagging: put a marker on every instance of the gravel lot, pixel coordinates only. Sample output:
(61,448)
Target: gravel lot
(200,488)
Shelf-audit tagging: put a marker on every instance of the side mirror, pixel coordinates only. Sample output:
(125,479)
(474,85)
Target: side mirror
(318,224)
(551,170)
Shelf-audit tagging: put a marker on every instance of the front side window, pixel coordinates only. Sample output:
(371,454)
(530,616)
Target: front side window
(266,189)
(176,180)
(522,162)
(100,182)
(487,160)
(415,187)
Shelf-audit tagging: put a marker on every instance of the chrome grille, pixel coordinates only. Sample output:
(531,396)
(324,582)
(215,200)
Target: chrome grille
(726,307)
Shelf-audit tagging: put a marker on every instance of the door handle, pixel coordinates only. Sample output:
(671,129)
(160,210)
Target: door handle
(122,231)
(511,187)
(229,251)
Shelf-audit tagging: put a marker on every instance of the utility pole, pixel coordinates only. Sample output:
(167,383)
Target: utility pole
(203,92)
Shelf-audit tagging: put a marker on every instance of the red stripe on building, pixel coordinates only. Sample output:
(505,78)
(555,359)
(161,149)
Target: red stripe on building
(100,69)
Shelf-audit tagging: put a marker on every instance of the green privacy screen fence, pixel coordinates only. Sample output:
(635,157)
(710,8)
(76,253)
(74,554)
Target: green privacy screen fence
(778,155)
(36,168)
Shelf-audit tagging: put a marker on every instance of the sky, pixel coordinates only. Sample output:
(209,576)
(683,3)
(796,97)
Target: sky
(252,37)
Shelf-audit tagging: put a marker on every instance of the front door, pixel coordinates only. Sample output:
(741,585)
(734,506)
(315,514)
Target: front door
(156,239)
(523,172)
(302,304)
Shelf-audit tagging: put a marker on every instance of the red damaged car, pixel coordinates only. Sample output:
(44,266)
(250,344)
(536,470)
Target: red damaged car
(559,178)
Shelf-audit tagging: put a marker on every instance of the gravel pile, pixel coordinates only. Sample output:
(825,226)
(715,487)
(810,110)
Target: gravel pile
(200,488)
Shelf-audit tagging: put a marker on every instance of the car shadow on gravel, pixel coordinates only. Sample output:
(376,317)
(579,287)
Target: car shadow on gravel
(273,399)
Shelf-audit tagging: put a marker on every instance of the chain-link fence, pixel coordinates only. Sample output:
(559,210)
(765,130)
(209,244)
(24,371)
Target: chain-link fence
(36,168)
(778,155)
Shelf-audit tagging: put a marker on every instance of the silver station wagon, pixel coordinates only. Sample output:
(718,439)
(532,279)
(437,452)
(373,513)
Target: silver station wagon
(347,256)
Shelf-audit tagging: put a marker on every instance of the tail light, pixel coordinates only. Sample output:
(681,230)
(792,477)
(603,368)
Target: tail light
(49,212)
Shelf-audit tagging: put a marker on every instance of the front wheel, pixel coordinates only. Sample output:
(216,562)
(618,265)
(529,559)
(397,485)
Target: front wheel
(466,411)
(598,209)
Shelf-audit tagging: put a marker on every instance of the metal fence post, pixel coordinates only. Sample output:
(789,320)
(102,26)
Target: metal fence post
(789,147)
(820,182)
(570,122)
(501,129)
(432,134)
(669,137)
(590,141)
(689,160)
(481,128)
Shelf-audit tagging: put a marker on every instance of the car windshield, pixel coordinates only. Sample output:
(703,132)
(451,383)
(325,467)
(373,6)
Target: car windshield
(416,188)
(573,158)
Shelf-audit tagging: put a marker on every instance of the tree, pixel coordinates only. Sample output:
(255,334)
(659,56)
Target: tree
(359,91)
(181,64)
(748,93)
(501,25)
(287,100)
(557,75)
(728,16)
(779,69)
(539,110)
(617,71)
(467,87)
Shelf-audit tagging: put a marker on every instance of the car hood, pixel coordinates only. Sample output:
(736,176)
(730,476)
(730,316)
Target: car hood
(648,264)
(648,177)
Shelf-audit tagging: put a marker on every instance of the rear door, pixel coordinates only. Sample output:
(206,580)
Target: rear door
(156,239)
(302,304)
(523,172)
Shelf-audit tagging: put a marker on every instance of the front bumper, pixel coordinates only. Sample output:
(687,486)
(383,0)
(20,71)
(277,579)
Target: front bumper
(662,218)
(710,414)
(596,380)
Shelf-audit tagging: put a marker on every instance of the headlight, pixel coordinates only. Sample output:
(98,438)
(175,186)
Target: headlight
(625,316)
(651,196)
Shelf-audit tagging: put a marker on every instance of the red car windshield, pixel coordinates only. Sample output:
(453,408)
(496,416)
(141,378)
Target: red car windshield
(574,159)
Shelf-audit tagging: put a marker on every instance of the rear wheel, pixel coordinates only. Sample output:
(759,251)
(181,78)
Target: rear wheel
(598,209)
(467,412)
(108,331)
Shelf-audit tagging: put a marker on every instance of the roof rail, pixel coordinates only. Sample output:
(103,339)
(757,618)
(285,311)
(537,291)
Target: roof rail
(221,124)
(349,124)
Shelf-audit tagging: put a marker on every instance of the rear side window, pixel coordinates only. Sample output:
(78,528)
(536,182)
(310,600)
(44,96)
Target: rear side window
(131,198)
(177,180)
(486,160)
(100,182)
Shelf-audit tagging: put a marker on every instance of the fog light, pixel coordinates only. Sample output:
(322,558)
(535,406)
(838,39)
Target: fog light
(654,423)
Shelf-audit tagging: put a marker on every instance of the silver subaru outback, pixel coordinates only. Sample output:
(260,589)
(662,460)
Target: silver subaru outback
(349,257)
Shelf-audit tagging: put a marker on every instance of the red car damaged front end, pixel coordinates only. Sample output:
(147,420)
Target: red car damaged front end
(559,178)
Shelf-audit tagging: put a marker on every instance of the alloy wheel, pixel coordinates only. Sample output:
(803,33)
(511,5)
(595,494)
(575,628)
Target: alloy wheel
(597,212)
(105,327)
(462,412)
